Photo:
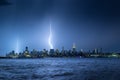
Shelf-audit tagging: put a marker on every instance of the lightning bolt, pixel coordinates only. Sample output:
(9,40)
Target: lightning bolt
(49,40)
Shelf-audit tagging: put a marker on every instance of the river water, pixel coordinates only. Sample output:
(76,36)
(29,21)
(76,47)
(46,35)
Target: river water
(60,69)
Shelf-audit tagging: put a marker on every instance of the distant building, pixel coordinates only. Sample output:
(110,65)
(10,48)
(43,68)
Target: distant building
(34,53)
(12,55)
(63,48)
(44,53)
(63,51)
(57,52)
(74,48)
(26,52)
(51,51)
(81,50)
(96,51)
(101,51)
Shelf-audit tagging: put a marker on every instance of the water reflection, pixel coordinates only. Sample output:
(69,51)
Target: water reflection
(60,69)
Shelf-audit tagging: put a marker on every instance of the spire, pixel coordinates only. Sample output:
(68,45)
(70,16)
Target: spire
(74,46)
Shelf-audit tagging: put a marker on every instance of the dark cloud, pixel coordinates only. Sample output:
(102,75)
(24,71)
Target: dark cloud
(4,2)
(94,9)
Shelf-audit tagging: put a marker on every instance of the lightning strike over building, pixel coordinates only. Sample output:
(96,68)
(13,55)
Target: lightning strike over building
(50,38)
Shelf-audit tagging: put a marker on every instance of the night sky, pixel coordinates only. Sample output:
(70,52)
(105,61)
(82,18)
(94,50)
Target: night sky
(87,23)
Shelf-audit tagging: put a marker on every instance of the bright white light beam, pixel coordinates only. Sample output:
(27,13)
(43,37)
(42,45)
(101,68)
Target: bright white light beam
(17,47)
(50,37)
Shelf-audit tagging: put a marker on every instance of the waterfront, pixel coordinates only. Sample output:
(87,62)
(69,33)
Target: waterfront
(60,69)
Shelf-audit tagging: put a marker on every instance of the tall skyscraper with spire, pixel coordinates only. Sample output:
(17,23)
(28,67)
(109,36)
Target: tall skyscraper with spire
(74,48)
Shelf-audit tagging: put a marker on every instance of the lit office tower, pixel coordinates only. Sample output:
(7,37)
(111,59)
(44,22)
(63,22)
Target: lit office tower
(81,50)
(63,51)
(101,50)
(26,52)
(96,50)
(74,47)
(26,48)
(52,51)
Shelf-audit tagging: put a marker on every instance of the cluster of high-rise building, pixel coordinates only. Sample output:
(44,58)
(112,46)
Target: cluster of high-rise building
(60,53)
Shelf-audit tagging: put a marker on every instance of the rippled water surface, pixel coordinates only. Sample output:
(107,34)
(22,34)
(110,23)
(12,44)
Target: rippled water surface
(60,69)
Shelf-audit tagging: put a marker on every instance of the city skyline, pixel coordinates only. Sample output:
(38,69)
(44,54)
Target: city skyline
(88,24)
(59,39)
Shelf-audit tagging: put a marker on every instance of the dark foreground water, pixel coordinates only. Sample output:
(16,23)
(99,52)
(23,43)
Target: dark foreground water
(60,69)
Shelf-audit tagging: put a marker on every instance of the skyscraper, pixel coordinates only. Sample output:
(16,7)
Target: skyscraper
(26,52)
(52,51)
(74,47)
